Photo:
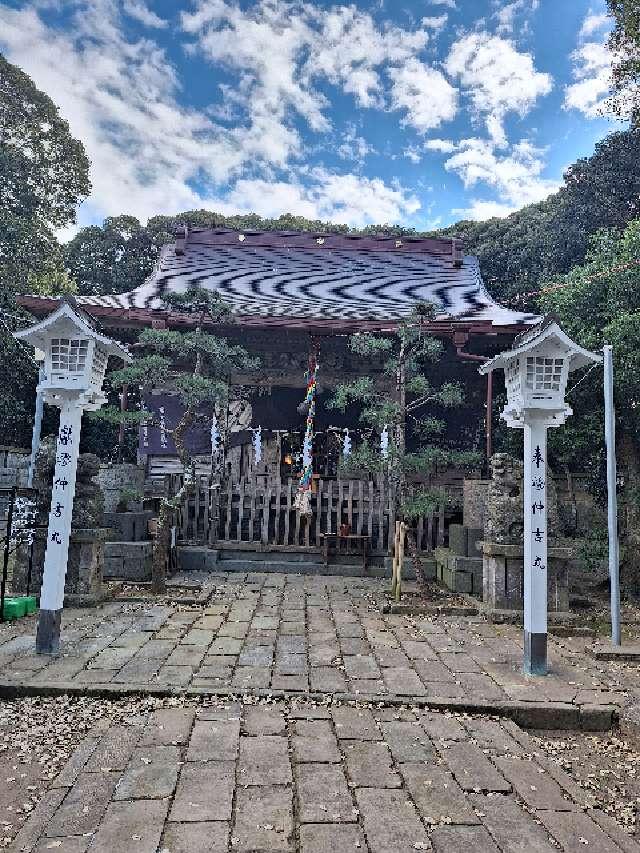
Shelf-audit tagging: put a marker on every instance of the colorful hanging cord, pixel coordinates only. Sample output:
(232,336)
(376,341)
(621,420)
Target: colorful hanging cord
(303,495)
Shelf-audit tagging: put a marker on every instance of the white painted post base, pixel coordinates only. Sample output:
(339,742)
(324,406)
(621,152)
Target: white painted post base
(59,529)
(535,544)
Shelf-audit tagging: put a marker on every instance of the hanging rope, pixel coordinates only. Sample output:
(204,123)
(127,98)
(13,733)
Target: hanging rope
(550,288)
(302,500)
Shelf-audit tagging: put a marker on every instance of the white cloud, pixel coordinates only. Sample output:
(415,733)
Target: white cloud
(435,22)
(592,24)
(591,70)
(413,154)
(351,199)
(499,78)
(450,3)
(424,93)
(139,11)
(515,176)
(508,13)
(353,146)
(446,146)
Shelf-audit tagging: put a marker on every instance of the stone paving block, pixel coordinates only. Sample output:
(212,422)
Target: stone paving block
(419,651)
(480,686)
(291,663)
(391,658)
(186,656)
(264,761)
(391,822)
(323,795)
(156,650)
(84,805)
(214,740)
(261,656)
(226,646)
(568,828)
(168,726)
(433,670)
(462,839)
(314,741)
(511,826)
(323,655)
(361,666)
(204,792)
(112,658)
(221,674)
(291,644)
(152,774)
(38,820)
(472,769)
(70,844)
(76,762)
(246,677)
(403,682)
(237,630)
(263,819)
(533,784)
(325,679)
(355,723)
(443,690)
(200,837)
(490,734)
(442,727)
(437,795)
(137,671)
(354,646)
(292,683)
(264,720)
(198,637)
(138,822)
(367,687)
(369,764)
(407,741)
(176,676)
(331,838)
(114,750)
(460,662)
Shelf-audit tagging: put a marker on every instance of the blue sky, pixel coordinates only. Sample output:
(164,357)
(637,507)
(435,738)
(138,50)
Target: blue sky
(419,112)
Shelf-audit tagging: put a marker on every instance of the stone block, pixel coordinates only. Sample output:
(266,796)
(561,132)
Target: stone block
(503,577)
(458,540)
(128,560)
(129,526)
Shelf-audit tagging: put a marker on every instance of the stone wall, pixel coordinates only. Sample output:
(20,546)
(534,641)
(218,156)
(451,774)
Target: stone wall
(114,479)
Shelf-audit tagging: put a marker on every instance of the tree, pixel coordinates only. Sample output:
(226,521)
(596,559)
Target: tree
(402,401)
(113,258)
(199,366)
(624,44)
(45,174)
(599,302)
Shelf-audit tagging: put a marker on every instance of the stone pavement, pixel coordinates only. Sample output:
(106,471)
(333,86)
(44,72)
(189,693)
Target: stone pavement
(300,777)
(287,634)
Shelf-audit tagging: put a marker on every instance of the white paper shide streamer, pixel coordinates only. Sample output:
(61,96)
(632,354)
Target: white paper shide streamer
(346,444)
(384,442)
(215,434)
(257,445)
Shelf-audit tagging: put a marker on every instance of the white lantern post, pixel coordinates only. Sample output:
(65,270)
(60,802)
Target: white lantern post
(536,374)
(75,360)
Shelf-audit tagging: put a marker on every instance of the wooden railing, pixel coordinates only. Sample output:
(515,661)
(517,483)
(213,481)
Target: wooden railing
(255,514)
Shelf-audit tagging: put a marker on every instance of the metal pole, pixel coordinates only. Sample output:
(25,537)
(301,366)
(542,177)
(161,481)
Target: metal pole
(612,499)
(489,416)
(37,426)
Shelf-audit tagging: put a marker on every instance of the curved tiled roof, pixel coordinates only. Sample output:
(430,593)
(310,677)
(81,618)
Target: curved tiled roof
(321,276)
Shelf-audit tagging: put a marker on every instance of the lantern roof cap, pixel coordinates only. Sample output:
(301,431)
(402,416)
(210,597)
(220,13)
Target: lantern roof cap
(69,312)
(549,330)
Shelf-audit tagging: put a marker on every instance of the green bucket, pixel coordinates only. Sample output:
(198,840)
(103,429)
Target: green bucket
(14,608)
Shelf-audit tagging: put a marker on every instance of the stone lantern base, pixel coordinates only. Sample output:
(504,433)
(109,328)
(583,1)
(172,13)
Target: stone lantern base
(503,577)
(84,581)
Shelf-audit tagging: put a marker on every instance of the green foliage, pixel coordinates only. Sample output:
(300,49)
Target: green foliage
(624,43)
(402,394)
(44,175)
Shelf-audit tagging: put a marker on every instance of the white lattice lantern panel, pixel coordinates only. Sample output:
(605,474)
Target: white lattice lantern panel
(75,354)
(536,373)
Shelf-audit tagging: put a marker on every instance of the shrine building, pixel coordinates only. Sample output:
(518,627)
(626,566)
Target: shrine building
(292,295)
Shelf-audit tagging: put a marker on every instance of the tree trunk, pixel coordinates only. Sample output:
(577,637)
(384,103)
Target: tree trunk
(630,526)
(415,557)
(162,541)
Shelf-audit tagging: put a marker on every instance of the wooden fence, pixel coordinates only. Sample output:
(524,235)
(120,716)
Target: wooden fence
(254,514)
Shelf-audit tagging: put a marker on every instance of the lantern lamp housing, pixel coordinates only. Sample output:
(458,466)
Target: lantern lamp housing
(536,373)
(75,355)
